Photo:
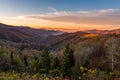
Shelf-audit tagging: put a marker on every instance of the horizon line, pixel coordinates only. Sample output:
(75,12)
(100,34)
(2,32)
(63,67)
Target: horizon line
(57,29)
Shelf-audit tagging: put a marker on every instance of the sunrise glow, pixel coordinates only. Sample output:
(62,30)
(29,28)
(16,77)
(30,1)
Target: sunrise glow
(49,16)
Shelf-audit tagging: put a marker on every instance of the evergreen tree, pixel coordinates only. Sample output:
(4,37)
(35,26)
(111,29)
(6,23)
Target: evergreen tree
(11,58)
(68,61)
(25,61)
(37,64)
(34,65)
(56,62)
(45,59)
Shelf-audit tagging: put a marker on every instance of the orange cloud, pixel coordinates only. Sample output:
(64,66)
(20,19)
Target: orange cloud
(100,17)
(69,21)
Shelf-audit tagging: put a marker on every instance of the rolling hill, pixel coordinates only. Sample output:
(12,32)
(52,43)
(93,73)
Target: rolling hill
(102,32)
(41,37)
(25,34)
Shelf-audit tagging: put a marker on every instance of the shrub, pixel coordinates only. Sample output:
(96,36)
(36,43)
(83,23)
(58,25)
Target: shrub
(54,72)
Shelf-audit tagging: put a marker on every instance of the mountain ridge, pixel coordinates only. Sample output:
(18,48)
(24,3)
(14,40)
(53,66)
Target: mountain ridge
(25,33)
(43,37)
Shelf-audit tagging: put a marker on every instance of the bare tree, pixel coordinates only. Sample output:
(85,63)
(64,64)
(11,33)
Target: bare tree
(113,49)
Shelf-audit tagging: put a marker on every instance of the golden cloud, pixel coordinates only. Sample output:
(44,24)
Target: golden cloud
(96,17)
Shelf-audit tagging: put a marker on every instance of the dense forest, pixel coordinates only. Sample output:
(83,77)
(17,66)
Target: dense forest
(92,58)
(38,54)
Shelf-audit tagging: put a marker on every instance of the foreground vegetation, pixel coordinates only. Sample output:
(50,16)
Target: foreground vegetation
(91,59)
(38,76)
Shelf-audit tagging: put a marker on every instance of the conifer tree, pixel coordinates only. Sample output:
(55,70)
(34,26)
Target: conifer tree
(68,61)
(45,61)
(56,62)
(11,58)
(25,61)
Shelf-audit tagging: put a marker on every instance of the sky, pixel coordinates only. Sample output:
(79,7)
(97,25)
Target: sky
(66,15)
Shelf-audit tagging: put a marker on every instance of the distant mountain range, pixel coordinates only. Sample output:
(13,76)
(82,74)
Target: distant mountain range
(94,31)
(20,34)
(25,34)
(66,38)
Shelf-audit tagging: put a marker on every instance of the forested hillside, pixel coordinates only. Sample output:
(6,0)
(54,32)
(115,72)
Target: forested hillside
(77,55)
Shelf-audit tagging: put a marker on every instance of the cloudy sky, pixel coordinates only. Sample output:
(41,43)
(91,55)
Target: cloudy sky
(68,15)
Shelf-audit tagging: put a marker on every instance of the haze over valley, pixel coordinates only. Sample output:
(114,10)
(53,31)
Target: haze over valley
(59,40)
